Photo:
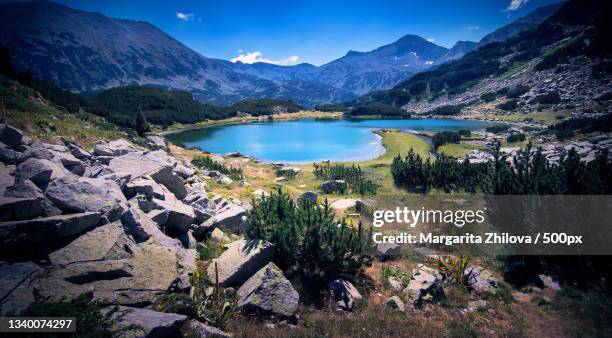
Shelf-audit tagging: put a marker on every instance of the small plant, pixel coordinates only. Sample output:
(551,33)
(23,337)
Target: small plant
(212,306)
(394,271)
(454,269)
(515,137)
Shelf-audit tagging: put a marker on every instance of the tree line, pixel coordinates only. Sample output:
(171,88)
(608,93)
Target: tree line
(353,175)
(527,173)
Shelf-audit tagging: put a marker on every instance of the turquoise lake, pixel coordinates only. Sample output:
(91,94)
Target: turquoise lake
(309,140)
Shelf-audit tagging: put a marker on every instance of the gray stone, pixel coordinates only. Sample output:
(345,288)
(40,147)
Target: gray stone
(184,171)
(45,230)
(193,328)
(308,196)
(332,186)
(77,151)
(135,322)
(87,272)
(106,242)
(180,215)
(15,290)
(80,194)
(146,186)
(232,218)
(218,236)
(6,179)
(268,292)
(16,208)
(240,261)
(12,136)
(363,205)
(170,180)
(8,155)
(395,284)
(344,293)
(159,216)
(425,286)
(481,279)
(39,171)
(24,189)
(395,303)
(136,164)
(156,140)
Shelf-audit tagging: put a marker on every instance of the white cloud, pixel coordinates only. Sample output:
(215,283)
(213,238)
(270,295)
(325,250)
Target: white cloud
(473,28)
(184,16)
(515,4)
(431,39)
(429,62)
(253,57)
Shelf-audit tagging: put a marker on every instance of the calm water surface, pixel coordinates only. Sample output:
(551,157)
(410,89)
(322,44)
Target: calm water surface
(309,140)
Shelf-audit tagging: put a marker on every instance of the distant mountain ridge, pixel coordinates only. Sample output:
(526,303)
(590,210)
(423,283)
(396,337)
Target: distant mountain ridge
(87,52)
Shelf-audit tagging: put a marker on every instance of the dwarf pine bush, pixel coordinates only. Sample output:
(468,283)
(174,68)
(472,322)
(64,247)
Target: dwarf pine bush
(310,244)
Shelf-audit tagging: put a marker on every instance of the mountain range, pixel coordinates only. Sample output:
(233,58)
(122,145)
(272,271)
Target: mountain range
(86,52)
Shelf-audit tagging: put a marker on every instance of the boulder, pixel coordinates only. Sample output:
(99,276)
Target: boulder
(285,171)
(12,136)
(9,155)
(134,322)
(170,180)
(44,230)
(193,328)
(395,284)
(80,194)
(232,218)
(332,186)
(240,260)
(139,225)
(146,186)
(219,236)
(81,273)
(344,293)
(343,204)
(39,171)
(481,279)
(308,196)
(115,148)
(107,242)
(159,216)
(363,205)
(77,151)
(6,179)
(387,250)
(184,171)
(203,206)
(24,189)
(102,149)
(16,293)
(136,164)
(16,208)
(259,193)
(268,292)
(180,215)
(395,303)
(156,140)
(425,286)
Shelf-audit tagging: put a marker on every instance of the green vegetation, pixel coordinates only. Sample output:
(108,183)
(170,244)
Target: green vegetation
(333,107)
(353,175)
(454,269)
(265,107)
(498,128)
(311,247)
(443,137)
(509,105)
(515,137)
(394,271)
(446,110)
(531,174)
(567,129)
(378,109)
(208,163)
(457,150)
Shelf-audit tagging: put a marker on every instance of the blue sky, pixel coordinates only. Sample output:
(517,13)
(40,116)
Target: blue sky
(290,32)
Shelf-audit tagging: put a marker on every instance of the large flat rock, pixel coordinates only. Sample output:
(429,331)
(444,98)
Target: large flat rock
(80,194)
(240,261)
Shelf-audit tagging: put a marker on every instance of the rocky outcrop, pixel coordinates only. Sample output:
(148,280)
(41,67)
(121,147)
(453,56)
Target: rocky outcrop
(80,194)
(240,260)
(232,218)
(395,303)
(425,286)
(16,293)
(268,292)
(193,328)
